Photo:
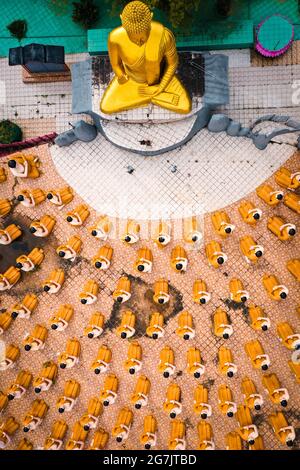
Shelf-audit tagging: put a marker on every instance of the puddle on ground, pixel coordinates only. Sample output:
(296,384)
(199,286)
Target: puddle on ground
(141,303)
(238,306)
(23,245)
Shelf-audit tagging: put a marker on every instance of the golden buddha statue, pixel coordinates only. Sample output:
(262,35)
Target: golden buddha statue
(144,59)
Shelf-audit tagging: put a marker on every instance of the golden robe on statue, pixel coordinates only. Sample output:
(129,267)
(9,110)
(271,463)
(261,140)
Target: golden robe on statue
(144,62)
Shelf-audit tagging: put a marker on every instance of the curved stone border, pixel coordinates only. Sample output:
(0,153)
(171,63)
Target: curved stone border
(214,123)
(203,117)
(261,141)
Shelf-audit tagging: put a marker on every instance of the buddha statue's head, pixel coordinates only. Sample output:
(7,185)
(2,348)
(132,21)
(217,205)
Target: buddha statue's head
(136,20)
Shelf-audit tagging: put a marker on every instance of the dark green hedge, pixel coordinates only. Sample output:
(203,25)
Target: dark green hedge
(9,132)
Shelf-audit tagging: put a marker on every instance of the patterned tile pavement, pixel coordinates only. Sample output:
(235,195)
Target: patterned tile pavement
(276,255)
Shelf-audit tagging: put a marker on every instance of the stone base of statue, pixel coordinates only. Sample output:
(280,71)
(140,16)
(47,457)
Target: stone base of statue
(153,129)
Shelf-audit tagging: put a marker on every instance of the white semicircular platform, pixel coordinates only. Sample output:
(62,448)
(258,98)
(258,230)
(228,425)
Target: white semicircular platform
(206,174)
(148,137)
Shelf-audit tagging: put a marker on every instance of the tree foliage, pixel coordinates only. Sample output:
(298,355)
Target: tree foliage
(179,12)
(224,7)
(85,13)
(59,7)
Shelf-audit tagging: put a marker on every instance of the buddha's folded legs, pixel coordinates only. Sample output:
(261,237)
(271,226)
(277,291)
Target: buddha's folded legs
(175,98)
(123,97)
(118,97)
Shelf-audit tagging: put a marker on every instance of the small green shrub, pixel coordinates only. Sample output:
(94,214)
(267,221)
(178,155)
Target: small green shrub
(9,132)
(18,29)
(85,13)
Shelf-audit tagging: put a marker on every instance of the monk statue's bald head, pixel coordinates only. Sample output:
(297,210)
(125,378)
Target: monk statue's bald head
(136,20)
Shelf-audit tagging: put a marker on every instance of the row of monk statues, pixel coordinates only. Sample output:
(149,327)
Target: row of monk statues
(222,327)
(172,406)
(191,229)
(245,432)
(250,214)
(143,264)
(70,357)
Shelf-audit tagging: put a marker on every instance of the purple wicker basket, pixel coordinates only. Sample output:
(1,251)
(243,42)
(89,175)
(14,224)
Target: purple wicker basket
(274,36)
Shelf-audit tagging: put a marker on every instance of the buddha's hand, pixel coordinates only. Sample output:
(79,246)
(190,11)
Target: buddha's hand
(145,90)
(122,79)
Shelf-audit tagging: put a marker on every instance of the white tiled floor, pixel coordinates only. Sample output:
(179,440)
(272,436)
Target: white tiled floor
(36,100)
(210,172)
(148,136)
(266,87)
